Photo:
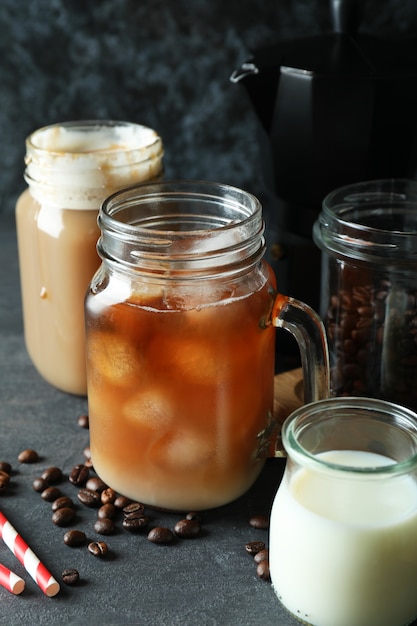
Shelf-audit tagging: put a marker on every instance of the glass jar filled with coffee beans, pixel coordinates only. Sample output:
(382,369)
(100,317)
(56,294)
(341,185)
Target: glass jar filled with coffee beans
(368,236)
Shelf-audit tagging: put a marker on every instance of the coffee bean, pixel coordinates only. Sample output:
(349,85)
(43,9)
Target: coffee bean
(262,570)
(107,510)
(87,453)
(121,502)
(50,494)
(377,356)
(79,475)
(194,515)
(5,467)
(133,508)
(83,421)
(64,516)
(96,484)
(253,547)
(5,476)
(187,528)
(75,538)
(70,576)
(160,535)
(39,484)
(108,496)
(62,502)
(52,474)
(89,498)
(4,481)
(104,526)
(259,521)
(98,548)
(262,555)
(28,456)
(135,522)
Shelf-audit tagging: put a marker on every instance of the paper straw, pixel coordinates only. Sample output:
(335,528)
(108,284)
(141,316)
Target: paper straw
(28,558)
(11,581)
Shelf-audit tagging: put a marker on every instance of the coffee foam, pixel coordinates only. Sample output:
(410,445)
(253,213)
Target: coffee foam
(78,165)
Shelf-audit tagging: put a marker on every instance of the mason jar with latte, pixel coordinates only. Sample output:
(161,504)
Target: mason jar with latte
(70,169)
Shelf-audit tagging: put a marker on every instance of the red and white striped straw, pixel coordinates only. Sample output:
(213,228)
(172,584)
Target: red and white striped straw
(28,558)
(11,581)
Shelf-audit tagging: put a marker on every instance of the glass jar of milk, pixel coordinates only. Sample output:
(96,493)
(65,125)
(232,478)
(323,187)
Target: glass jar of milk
(70,169)
(343,532)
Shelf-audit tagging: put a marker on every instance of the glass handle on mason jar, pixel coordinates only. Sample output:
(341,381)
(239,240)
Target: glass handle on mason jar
(308,329)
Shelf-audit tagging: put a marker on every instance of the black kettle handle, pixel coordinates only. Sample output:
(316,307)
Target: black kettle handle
(346,15)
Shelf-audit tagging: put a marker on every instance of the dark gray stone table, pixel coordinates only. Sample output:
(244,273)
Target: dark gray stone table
(209,581)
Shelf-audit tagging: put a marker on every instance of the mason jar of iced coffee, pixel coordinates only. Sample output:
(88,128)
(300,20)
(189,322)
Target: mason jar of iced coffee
(70,169)
(180,327)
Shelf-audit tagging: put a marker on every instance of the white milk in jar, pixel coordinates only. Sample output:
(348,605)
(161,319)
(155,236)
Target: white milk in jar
(343,544)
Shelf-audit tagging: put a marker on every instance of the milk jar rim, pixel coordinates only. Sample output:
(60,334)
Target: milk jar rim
(77,164)
(341,227)
(351,408)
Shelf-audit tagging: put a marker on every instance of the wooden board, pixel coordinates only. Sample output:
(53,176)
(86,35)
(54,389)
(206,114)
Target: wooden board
(288,396)
(288,393)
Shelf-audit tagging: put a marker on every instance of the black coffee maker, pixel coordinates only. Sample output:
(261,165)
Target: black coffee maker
(333,109)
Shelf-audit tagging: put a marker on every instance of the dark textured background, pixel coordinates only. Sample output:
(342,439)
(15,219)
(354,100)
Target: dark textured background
(167,64)
(162,63)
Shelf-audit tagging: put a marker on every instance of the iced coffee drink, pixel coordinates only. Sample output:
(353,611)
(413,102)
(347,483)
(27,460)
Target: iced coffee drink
(180,328)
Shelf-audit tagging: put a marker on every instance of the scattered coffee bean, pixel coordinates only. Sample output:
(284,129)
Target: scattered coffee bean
(135,523)
(259,521)
(104,526)
(5,467)
(187,528)
(262,555)
(161,535)
(83,421)
(121,502)
(75,538)
(28,456)
(253,547)
(96,484)
(133,508)
(62,502)
(4,481)
(87,453)
(89,498)
(39,484)
(64,516)
(50,494)
(70,576)
(52,474)
(98,548)
(262,570)
(107,510)
(79,475)
(108,496)
(4,475)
